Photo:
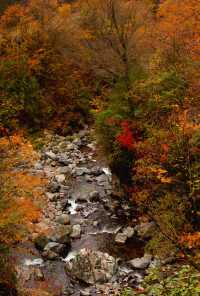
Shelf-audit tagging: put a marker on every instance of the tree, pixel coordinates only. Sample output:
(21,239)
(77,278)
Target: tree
(111,35)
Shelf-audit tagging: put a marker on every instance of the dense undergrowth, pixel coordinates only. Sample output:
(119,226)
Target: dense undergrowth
(20,201)
(133,67)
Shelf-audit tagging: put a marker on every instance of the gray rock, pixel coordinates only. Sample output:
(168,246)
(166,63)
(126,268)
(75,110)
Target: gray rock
(95,223)
(141,263)
(121,238)
(88,178)
(51,196)
(81,171)
(92,146)
(81,196)
(61,234)
(40,242)
(51,155)
(92,266)
(34,262)
(68,291)
(38,165)
(96,171)
(71,146)
(85,292)
(157,262)
(60,178)
(76,231)
(64,170)
(77,142)
(102,179)
(63,160)
(63,219)
(129,231)
(55,247)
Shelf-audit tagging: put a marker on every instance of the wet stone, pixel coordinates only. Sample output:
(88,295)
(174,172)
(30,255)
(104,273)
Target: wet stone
(76,231)
(51,155)
(60,178)
(141,263)
(121,238)
(63,219)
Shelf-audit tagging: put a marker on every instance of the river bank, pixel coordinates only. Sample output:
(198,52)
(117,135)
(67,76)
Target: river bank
(84,241)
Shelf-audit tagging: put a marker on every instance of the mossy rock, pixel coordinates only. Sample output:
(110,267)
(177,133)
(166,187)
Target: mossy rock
(40,242)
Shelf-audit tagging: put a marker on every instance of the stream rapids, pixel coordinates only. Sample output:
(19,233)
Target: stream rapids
(89,240)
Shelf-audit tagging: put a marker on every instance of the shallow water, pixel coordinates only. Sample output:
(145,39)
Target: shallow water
(99,226)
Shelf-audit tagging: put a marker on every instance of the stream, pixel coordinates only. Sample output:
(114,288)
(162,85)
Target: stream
(85,242)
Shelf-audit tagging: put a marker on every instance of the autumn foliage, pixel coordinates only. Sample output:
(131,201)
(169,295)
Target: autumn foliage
(125,138)
(21,195)
(20,191)
(152,127)
(134,65)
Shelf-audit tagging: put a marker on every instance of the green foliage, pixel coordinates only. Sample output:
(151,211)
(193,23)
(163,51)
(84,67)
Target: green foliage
(158,96)
(127,292)
(182,282)
(164,161)
(20,94)
(108,127)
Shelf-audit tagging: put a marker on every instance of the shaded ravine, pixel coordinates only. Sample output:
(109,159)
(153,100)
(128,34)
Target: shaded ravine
(79,199)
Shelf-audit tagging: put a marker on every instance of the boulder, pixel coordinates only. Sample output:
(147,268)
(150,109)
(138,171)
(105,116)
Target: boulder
(77,142)
(81,196)
(76,231)
(121,238)
(71,147)
(141,263)
(102,179)
(51,155)
(40,242)
(38,165)
(63,160)
(61,234)
(129,231)
(92,266)
(34,262)
(96,171)
(60,178)
(57,248)
(88,178)
(63,219)
(81,171)
(64,170)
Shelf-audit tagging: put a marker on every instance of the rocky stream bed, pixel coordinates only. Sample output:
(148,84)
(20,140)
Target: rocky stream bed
(90,246)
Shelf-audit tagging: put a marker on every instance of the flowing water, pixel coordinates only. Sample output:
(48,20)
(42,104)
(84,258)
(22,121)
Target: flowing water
(97,218)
